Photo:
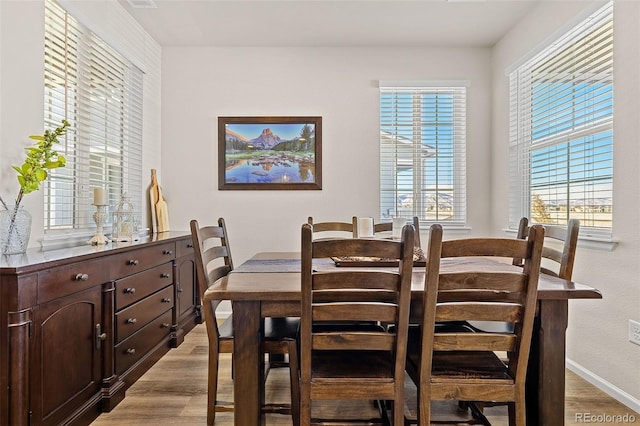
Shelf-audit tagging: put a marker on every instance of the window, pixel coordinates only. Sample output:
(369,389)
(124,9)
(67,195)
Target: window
(100,93)
(561,130)
(422,152)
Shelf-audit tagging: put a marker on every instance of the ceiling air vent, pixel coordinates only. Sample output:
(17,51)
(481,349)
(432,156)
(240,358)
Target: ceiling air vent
(143,4)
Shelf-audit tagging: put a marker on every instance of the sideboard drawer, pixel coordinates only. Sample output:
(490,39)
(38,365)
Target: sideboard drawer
(184,247)
(136,287)
(135,261)
(64,280)
(129,351)
(136,316)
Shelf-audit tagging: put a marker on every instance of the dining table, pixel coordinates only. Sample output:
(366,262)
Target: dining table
(269,285)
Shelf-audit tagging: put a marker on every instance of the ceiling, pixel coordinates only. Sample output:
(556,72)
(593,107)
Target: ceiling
(448,23)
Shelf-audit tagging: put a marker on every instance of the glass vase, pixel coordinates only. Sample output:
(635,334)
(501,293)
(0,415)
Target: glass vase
(15,230)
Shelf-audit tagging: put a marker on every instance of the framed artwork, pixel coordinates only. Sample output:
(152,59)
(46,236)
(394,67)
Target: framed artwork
(269,153)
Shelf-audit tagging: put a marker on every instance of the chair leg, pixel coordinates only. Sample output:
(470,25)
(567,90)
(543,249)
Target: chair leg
(517,413)
(295,382)
(424,409)
(398,411)
(305,405)
(212,388)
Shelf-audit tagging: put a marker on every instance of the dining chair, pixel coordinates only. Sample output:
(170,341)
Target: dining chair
(387,227)
(555,262)
(213,261)
(463,366)
(349,362)
(561,260)
(335,229)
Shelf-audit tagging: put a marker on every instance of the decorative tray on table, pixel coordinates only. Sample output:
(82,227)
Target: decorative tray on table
(356,261)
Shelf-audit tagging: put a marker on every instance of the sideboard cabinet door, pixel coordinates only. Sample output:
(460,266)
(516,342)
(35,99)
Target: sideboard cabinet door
(66,356)
(187,308)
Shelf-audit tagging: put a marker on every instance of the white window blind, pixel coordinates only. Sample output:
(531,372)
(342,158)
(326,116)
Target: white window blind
(561,130)
(99,92)
(422,152)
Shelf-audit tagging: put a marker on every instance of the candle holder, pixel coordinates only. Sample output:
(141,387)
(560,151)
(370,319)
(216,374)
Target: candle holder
(99,217)
(124,224)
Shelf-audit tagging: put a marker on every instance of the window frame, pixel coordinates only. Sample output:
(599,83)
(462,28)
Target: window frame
(593,39)
(444,119)
(100,92)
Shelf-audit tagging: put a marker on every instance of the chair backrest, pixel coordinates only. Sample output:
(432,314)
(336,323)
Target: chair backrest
(388,227)
(348,295)
(477,292)
(213,261)
(564,258)
(339,227)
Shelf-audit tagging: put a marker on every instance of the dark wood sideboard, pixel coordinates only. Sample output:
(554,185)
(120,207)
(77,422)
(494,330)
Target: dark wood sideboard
(78,326)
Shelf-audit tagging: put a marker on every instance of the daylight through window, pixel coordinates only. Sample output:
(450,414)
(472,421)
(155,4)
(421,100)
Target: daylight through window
(100,93)
(422,152)
(561,136)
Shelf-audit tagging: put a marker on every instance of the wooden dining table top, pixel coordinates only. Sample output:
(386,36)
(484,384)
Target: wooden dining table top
(276,276)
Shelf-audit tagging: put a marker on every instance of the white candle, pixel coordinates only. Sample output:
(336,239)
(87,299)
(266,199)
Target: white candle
(100,197)
(398,223)
(365,227)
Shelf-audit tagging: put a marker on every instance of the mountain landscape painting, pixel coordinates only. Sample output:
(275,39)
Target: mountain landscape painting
(269,152)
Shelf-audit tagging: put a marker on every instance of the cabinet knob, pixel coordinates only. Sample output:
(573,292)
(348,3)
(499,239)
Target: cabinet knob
(130,290)
(132,262)
(164,325)
(165,275)
(130,351)
(82,277)
(131,321)
(167,252)
(179,290)
(166,300)
(189,245)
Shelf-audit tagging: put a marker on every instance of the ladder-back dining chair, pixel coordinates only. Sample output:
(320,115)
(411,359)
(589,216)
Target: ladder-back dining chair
(213,261)
(463,366)
(349,362)
(334,229)
(563,259)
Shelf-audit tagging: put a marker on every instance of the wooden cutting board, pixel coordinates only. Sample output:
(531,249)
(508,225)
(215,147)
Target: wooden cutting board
(162,212)
(153,199)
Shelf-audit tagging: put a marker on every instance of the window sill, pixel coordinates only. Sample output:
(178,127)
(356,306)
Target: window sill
(588,242)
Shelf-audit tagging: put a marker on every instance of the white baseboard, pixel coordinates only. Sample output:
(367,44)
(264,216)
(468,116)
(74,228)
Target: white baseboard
(608,388)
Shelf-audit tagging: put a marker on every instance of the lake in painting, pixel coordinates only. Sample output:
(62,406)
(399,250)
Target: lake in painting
(270,153)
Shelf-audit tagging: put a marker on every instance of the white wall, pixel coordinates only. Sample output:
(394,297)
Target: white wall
(597,344)
(21,94)
(339,84)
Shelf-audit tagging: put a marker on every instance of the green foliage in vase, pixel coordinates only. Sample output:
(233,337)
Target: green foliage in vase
(40,158)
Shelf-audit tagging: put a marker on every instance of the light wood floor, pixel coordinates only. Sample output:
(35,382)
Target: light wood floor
(174,392)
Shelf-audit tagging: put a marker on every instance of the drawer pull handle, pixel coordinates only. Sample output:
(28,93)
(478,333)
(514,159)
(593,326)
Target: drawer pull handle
(165,325)
(131,321)
(165,275)
(132,262)
(166,300)
(190,245)
(167,252)
(130,351)
(82,277)
(130,290)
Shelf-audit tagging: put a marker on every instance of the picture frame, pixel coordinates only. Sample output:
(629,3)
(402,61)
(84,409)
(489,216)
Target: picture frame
(269,153)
